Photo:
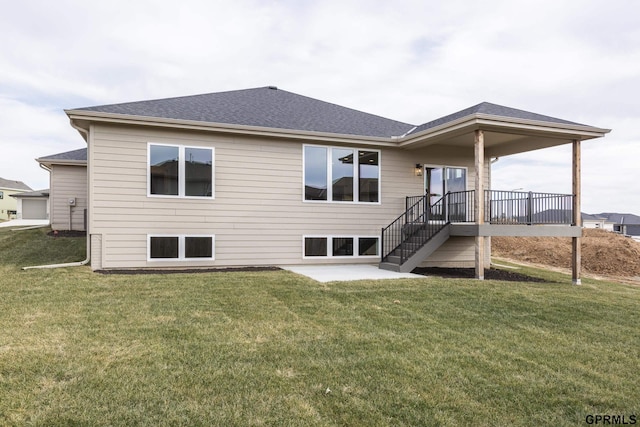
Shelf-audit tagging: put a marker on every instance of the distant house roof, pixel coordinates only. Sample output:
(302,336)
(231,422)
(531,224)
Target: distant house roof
(14,185)
(75,156)
(589,217)
(29,194)
(264,107)
(620,218)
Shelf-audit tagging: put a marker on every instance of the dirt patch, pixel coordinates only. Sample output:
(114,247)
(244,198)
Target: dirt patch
(603,253)
(469,273)
(67,233)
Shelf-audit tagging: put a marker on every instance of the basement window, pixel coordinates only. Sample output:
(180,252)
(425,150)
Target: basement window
(180,248)
(340,246)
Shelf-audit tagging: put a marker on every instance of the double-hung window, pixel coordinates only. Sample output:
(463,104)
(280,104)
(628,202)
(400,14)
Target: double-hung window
(337,174)
(180,171)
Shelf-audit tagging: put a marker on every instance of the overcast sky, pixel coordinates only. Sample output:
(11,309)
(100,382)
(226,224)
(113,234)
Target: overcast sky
(412,61)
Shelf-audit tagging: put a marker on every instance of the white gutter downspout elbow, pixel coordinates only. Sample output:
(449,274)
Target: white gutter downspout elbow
(88,258)
(68,264)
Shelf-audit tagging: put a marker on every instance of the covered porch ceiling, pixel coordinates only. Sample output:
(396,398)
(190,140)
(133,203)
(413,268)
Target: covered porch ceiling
(502,137)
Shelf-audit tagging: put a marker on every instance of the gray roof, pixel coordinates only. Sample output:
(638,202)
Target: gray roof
(493,110)
(263,107)
(75,155)
(589,217)
(620,218)
(38,193)
(271,107)
(14,185)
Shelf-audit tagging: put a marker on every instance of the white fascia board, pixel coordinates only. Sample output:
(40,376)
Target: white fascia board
(477,121)
(537,124)
(230,128)
(474,121)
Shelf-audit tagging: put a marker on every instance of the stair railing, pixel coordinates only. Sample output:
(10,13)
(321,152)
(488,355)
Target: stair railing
(414,228)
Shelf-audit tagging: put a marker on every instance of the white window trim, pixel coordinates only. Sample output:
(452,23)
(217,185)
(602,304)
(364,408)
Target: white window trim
(330,237)
(181,171)
(356,175)
(181,248)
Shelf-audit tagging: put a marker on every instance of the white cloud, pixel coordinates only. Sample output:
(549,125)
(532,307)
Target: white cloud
(408,60)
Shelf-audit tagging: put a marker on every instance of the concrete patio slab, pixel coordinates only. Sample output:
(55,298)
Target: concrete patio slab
(348,272)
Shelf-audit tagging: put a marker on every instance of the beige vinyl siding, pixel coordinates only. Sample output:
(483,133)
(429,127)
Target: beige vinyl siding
(68,182)
(258,216)
(457,252)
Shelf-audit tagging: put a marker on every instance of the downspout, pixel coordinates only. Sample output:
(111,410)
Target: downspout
(85,135)
(48,169)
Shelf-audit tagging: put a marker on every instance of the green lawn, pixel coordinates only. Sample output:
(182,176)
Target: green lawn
(274,348)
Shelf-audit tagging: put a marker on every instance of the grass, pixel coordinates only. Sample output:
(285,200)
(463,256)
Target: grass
(274,348)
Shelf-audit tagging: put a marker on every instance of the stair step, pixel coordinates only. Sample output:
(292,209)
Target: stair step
(393,259)
(389,266)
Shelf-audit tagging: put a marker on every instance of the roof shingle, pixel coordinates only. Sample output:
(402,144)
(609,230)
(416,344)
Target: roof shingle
(271,107)
(493,110)
(76,155)
(263,107)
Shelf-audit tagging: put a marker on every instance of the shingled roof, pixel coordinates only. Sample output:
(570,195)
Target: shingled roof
(270,107)
(263,107)
(75,155)
(14,185)
(486,108)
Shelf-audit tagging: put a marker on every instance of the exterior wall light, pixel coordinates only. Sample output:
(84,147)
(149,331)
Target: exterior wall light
(418,169)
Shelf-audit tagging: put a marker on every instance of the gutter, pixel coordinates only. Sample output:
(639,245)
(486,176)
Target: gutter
(85,135)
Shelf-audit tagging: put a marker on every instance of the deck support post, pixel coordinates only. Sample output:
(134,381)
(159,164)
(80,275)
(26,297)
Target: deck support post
(576,247)
(479,202)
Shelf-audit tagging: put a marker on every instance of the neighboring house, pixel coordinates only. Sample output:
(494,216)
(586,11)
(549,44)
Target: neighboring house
(632,230)
(268,177)
(625,223)
(68,189)
(596,221)
(33,204)
(9,205)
